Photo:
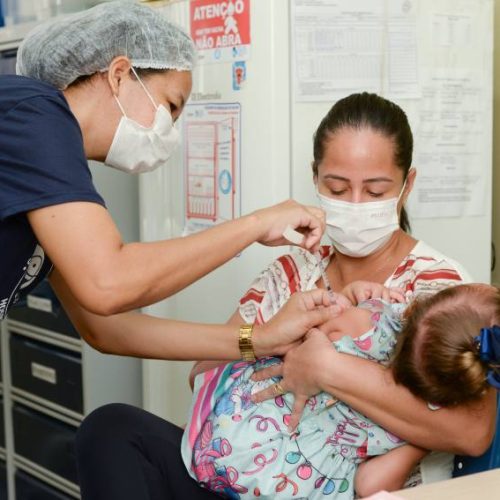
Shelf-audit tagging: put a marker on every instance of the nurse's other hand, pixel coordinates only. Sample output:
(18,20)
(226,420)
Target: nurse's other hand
(303,311)
(301,371)
(308,220)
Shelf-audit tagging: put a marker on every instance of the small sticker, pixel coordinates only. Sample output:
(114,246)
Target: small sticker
(225,182)
(39,303)
(239,74)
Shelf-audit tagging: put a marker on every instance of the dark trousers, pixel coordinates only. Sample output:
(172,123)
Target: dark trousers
(125,453)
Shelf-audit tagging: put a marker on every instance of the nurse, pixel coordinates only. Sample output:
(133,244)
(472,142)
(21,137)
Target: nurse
(108,84)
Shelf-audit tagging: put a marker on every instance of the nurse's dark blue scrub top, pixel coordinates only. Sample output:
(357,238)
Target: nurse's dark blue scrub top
(42,163)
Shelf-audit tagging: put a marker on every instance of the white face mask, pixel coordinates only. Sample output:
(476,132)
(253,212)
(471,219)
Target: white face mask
(136,149)
(358,229)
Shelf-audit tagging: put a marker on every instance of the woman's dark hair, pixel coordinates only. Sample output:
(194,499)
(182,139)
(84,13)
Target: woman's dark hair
(371,111)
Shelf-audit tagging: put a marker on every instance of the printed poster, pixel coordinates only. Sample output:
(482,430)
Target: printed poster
(220,30)
(450,153)
(345,46)
(212,133)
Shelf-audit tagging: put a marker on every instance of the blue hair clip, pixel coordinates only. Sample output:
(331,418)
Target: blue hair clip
(488,343)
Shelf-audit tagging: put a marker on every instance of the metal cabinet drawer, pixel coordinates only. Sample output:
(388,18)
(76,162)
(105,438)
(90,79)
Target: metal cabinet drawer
(45,441)
(42,308)
(3,481)
(29,488)
(47,371)
(2,425)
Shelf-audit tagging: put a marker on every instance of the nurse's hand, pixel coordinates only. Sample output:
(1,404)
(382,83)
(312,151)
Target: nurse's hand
(286,329)
(302,371)
(308,220)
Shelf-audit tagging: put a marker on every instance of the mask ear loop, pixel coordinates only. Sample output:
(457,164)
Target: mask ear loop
(144,87)
(120,106)
(404,185)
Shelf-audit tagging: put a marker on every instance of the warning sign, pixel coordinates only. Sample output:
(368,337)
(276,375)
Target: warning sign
(221,29)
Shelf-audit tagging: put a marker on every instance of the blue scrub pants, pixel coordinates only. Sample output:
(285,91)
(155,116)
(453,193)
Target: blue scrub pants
(125,453)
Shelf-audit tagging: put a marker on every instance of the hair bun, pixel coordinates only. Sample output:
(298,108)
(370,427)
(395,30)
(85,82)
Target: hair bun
(473,371)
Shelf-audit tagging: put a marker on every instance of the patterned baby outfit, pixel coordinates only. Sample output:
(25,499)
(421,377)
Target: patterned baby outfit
(240,449)
(221,399)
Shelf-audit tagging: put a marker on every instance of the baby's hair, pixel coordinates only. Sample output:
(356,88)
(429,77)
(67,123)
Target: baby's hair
(436,356)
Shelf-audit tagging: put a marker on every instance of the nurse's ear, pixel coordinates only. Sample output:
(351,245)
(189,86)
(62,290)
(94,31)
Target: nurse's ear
(118,73)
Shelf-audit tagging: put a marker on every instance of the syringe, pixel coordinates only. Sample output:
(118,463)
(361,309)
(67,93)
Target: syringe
(326,281)
(295,237)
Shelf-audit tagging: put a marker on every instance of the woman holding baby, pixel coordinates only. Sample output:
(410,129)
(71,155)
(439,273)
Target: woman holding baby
(363,174)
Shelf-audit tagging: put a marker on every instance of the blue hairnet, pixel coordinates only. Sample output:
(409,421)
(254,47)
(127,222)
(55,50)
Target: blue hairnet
(61,50)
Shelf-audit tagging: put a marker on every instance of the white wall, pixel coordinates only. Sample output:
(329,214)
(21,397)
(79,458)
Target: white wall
(496,146)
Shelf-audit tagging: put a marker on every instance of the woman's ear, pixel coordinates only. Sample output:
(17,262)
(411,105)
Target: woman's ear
(408,186)
(118,71)
(410,181)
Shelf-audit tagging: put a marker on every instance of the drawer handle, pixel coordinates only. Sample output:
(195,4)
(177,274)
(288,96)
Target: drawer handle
(44,373)
(39,303)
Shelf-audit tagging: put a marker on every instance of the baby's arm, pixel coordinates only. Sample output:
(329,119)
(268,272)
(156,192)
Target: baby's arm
(387,472)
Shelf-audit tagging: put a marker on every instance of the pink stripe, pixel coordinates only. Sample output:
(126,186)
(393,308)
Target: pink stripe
(208,404)
(203,405)
(195,426)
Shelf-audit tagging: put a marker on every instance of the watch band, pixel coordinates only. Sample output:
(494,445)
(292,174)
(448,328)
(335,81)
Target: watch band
(245,343)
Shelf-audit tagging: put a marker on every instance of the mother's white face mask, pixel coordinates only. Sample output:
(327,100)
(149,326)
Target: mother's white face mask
(135,148)
(359,229)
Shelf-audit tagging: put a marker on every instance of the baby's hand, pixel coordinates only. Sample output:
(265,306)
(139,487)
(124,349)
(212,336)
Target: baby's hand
(336,309)
(358,291)
(342,302)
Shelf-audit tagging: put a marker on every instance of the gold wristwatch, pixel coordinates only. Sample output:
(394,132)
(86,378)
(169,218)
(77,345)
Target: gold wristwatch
(245,343)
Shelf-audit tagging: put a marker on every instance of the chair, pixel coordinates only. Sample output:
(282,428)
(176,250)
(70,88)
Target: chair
(490,460)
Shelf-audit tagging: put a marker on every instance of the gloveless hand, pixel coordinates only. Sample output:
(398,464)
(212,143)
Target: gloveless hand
(303,311)
(301,371)
(308,220)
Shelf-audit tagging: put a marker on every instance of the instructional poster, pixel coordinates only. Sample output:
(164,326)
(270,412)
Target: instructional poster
(212,141)
(220,29)
(451,156)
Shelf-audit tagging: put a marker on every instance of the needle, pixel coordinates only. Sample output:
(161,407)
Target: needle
(295,237)
(326,281)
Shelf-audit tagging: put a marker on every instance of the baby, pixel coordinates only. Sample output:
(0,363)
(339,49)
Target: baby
(240,449)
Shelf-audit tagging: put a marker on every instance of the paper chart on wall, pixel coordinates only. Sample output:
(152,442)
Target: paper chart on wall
(452,30)
(401,74)
(212,141)
(450,152)
(345,46)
